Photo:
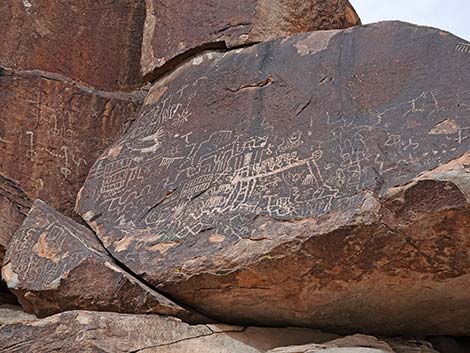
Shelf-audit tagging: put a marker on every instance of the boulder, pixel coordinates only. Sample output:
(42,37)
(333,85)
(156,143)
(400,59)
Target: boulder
(90,332)
(12,314)
(361,344)
(97,43)
(176,29)
(54,264)
(320,180)
(14,205)
(52,130)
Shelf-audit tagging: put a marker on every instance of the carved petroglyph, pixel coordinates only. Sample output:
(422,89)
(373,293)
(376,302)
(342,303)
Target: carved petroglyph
(30,153)
(27,4)
(463,48)
(50,243)
(221,182)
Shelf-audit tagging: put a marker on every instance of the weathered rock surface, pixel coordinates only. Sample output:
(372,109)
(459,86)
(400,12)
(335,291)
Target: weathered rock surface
(95,42)
(52,131)
(14,205)
(318,180)
(81,331)
(11,314)
(54,264)
(179,27)
(361,344)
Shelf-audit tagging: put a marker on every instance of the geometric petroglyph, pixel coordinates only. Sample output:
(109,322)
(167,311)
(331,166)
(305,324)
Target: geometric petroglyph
(463,48)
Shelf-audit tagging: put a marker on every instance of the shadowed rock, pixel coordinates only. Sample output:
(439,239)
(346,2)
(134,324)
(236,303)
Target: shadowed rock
(54,264)
(14,205)
(175,29)
(97,43)
(451,344)
(318,180)
(90,332)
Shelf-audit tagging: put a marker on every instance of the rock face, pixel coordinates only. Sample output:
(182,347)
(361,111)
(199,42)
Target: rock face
(81,331)
(14,205)
(54,264)
(179,27)
(52,131)
(95,42)
(317,180)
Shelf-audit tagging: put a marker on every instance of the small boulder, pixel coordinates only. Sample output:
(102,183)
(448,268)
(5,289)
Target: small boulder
(54,264)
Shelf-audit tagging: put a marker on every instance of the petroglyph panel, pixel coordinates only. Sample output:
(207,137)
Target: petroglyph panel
(271,149)
(52,131)
(184,168)
(76,41)
(224,179)
(54,264)
(47,246)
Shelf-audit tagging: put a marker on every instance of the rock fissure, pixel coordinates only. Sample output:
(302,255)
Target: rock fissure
(51,76)
(143,281)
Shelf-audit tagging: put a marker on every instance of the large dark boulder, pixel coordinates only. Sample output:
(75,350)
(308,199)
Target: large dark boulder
(318,180)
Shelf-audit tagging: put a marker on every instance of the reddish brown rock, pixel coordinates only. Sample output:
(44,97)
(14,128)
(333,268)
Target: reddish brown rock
(14,205)
(177,28)
(52,131)
(92,332)
(95,42)
(320,180)
(54,264)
